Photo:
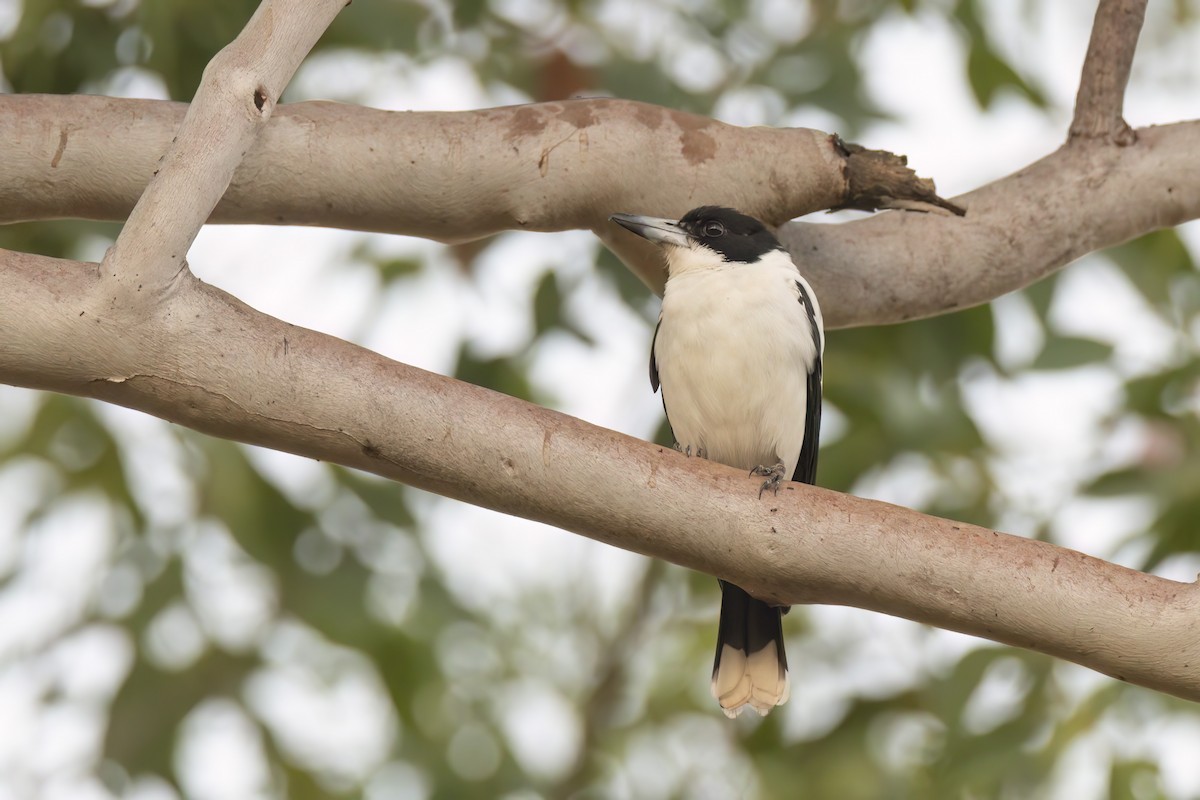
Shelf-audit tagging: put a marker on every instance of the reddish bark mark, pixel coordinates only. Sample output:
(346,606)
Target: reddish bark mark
(525,121)
(696,145)
(578,113)
(62,147)
(648,115)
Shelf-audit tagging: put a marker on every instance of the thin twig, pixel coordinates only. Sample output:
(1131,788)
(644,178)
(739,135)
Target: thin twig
(612,678)
(1098,106)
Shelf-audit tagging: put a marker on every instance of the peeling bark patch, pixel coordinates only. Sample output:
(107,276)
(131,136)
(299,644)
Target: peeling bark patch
(877,179)
(696,145)
(525,121)
(63,135)
(579,114)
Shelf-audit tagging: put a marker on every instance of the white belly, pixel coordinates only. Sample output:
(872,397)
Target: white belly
(733,352)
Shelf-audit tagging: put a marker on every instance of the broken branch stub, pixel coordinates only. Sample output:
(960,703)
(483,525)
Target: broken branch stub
(877,179)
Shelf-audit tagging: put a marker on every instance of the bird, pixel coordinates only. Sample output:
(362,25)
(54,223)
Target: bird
(737,354)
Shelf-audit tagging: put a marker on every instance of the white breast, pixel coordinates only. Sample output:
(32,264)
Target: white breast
(733,350)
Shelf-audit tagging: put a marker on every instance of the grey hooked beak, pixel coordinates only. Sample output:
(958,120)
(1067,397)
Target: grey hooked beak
(653,229)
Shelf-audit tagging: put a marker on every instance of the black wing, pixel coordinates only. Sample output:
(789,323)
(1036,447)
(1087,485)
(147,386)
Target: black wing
(806,467)
(653,363)
(654,383)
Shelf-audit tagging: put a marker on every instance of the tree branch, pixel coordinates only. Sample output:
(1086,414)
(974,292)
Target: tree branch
(558,166)
(206,360)
(1101,97)
(449,176)
(237,94)
(1084,197)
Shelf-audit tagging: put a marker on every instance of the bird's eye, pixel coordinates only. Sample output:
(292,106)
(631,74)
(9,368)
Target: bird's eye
(714,228)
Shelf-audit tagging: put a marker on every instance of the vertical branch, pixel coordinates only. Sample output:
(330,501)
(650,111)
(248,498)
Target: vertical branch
(612,680)
(1101,97)
(237,94)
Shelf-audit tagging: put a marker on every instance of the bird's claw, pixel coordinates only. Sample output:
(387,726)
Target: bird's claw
(699,452)
(774,477)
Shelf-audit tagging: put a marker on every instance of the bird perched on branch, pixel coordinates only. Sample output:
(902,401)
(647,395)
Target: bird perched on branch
(737,353)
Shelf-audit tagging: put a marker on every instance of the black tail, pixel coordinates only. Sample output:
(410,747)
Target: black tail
(751,666)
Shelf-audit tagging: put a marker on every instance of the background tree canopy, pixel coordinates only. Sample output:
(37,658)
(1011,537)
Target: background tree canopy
(183,616)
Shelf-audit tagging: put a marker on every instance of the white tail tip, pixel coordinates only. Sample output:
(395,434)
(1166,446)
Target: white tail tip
(758,680)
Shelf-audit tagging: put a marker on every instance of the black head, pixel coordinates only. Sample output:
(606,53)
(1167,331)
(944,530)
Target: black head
(730,235)
(734,235)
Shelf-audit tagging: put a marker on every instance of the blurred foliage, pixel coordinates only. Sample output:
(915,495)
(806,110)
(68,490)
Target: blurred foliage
(346,591)
(987,72)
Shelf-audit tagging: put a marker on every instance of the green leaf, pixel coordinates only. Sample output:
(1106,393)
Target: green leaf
(501,374)
(385,498)
(547,304)
(1041,294)
(1149,396)
(67,432)
(635,293)
(397,268)
(185,34)
(1118,483)
(58,47)
(1068,352)
(1153,262)
(987,72)
(1134,780)
(548,311)
(1175,530)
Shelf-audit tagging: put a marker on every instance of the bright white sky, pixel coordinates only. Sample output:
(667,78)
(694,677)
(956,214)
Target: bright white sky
(1045,428)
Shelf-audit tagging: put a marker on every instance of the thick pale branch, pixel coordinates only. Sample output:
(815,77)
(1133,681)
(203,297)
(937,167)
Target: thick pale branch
(1106,67)
(557,166)
(1086,196)
(232,105)
(450,176)
(208,361)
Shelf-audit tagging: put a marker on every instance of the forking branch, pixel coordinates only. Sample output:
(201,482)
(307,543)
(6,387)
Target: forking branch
(236,97)
(199,357)
(237,373)
(364,169)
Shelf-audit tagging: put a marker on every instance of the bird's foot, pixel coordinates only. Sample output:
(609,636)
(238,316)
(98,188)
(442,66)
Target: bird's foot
(773,475)
(699,452)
